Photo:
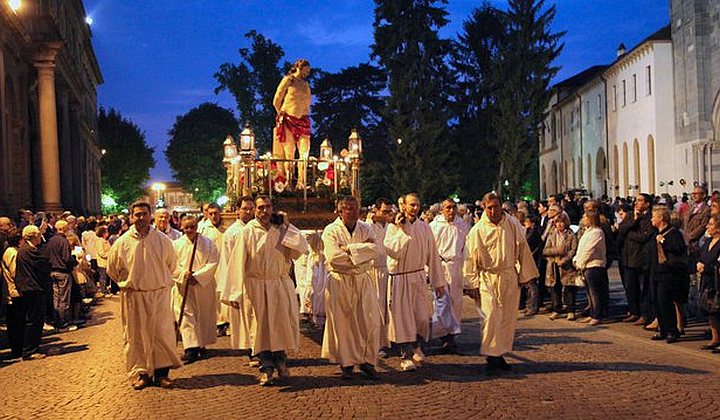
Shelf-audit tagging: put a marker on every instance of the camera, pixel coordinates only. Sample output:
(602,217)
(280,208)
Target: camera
(277,219)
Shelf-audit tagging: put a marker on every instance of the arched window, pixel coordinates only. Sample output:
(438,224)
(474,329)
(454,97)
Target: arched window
(543,180)
(651,163)
(636,164)
(616,169)
(626,171)
(555,179)
(589,185)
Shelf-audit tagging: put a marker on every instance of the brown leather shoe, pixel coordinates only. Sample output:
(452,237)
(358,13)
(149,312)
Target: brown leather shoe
(640,321)
(142,382)
(165,382)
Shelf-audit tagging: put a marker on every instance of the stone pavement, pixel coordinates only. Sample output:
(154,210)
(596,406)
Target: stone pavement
(561,369)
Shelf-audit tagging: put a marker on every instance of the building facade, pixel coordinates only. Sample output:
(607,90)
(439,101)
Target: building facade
(696,56)
(49,157)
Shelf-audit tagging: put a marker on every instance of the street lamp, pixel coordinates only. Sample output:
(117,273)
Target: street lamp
(354,144)
(159,188)
(247,153)
(230,159)
(14,5)
(229,147)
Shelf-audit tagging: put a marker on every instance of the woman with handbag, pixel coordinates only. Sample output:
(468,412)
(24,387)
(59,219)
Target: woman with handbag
(668,267)
(560,247)
(707,267)
(590,258)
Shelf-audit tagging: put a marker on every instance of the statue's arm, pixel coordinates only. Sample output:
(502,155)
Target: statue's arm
(280,93)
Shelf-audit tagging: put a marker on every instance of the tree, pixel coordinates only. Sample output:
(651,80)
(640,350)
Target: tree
(351,98)
(253,82)
(126,165)
(409,50)
(527,57)
(195,150)
(474,61)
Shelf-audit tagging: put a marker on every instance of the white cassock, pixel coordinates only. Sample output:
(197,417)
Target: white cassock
(239,326)
(198,324)
(258,276)
(450,240)
(303,283)
(209,230)
(143,267)
(410,252)
(173,233)
(353,312)
(380,277)
(498,261)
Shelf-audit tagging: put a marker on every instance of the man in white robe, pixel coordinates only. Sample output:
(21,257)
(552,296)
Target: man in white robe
(198,323)
(239,333)
(211,229)
(498,261)
(351,305)
(379,221)
(411,251)
(258,276)
(450,231)
(142,262)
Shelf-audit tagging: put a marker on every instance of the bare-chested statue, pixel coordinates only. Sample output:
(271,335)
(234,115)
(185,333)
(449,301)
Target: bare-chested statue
(292,125)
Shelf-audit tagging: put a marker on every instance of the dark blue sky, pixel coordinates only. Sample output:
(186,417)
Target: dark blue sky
(158,56)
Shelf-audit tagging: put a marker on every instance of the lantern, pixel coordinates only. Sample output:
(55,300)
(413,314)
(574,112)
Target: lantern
(326,152)
(354,144)
(247,140)
(229,147)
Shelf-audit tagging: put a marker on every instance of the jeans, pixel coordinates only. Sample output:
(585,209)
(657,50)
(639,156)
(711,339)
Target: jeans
(638,293)
(61,296)
(594,278)
(269,360)
(103,279)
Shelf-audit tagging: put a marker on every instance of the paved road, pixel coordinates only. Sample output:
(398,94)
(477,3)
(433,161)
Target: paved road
(561,369)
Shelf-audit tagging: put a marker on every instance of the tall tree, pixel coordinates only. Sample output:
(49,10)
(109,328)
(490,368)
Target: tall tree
(409,49)
(195,150)
(474,60)
(353,98)
(527,66)
(126,165)
(252,83)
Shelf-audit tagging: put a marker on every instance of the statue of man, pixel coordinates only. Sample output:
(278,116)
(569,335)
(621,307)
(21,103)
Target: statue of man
(292,125)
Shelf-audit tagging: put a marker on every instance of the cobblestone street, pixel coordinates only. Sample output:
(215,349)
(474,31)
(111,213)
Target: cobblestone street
(561,369)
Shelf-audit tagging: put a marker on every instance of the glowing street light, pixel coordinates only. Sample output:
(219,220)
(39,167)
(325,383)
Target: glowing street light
(89,20)
(326,152)
(15,5)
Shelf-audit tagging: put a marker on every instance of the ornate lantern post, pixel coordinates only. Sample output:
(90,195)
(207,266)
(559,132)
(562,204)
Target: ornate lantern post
(247,153)
(230,154)
(355,151)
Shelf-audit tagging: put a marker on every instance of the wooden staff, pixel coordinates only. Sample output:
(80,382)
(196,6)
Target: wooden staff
(187,287)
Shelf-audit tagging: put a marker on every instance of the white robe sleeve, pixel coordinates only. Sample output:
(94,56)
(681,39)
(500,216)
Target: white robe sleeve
(435,269)
(231,290)
(294,241)
(471,270)
(396,242)
(362,253)
(116,264)
(335,257)
(206,274)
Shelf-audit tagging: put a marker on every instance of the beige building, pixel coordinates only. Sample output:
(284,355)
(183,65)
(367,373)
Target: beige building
(49,157)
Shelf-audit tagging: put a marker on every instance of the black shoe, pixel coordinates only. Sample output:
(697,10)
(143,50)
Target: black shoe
(491,368)
(659,336)
(449,346)
(503,364)
(202,353)
(711,346)
(347,372)
(369,371)
(190,356)
(671,338)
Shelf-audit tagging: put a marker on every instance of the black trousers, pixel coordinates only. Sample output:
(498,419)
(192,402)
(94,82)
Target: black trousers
(595,279)
(269,360)
(639,294)
(664,296)
(16,326)
(28,317)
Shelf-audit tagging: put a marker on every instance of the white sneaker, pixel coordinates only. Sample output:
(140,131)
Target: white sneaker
(406,365)
(266,378)
(418,355)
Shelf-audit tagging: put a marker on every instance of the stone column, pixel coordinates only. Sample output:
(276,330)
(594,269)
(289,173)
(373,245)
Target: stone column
(49,151)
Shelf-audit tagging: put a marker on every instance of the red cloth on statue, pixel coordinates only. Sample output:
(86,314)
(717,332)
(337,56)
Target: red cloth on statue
(297,126)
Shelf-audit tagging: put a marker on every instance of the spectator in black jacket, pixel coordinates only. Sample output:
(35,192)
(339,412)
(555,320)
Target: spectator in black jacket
(32,278)
(639,236)
(625,219)
(668,268)
(62,262)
